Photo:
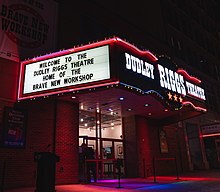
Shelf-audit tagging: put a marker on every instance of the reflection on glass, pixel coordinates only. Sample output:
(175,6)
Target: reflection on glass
(109,122)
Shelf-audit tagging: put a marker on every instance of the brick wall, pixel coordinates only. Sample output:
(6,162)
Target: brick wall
(130,149)
(67,133)
(20,165)
(9,79)
(148,146)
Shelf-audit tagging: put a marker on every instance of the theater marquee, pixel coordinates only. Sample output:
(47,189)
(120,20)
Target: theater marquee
(68,70)
(108,62)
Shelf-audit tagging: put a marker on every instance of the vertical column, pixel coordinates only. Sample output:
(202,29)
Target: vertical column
(190,164)
(99,122)
(131,151)
(97,127)
(145,145)
(205,161)
(196,147)
(96,133)
(67,136)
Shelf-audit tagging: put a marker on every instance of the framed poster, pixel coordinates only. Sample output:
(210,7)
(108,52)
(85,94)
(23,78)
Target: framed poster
(163,142)
(14,128)
(120,150)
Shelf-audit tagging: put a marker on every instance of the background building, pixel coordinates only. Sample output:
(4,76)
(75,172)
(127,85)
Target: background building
(185,31)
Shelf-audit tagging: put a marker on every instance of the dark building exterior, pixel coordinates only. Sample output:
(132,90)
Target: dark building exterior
(180,34)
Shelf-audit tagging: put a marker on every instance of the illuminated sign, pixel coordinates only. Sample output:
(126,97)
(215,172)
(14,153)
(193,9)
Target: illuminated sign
(195,91)
(139,66)
(178,82)
(14,128)
(171,80)
(209,129)
(89,66)
(68,70)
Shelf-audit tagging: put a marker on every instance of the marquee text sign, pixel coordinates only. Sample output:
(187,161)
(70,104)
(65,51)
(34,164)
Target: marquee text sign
(68,70)
(209,129)
(169,79)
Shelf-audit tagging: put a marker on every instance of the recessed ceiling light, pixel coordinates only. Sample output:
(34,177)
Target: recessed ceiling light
(121,98)
(129,109)
(165,110)
(109,109)
(146,104)
(149,113)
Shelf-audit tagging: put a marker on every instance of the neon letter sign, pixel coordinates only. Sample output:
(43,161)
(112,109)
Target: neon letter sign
(139,66)
(195,91)
(171,80)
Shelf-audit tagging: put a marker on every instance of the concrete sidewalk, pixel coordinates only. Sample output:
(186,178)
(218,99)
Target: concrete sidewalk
(199,181)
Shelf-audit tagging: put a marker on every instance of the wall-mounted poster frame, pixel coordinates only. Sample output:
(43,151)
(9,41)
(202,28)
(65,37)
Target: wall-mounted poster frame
(163,142)
(120,150)
(14,128)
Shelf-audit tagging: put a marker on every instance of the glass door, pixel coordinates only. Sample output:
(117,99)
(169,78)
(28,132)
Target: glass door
(101,130)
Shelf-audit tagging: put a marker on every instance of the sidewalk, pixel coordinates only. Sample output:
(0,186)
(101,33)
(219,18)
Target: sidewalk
(199,181)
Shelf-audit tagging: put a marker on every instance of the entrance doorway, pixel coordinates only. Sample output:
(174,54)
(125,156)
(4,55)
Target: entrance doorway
(101,130)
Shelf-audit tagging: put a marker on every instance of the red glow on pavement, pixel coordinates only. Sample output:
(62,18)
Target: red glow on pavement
(199,178)
(141,184)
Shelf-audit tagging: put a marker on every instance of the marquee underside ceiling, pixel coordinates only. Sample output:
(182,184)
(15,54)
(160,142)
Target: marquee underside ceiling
(109,103)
